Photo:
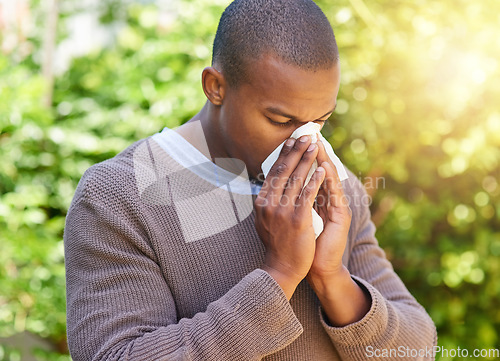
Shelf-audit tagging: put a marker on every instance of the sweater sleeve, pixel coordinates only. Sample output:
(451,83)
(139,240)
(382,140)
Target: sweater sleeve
(396,322)
(119,306)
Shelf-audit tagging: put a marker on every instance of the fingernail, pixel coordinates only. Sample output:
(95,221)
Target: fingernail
(311,147)
(319,170)
(290,142)
(304,138)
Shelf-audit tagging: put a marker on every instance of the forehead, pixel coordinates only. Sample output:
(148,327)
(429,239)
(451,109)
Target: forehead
(272,82)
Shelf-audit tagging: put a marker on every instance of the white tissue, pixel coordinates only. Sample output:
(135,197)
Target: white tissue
(312,129)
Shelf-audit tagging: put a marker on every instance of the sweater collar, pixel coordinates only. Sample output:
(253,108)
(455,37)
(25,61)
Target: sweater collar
(191,158)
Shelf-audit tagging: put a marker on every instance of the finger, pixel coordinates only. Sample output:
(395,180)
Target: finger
(297,179)
(334,187)
(287,146)
(315,206)
(305,201)
(283,168)
(321,204)
(322,155)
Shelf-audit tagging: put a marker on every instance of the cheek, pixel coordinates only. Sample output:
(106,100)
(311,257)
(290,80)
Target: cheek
(250,134)
(261,140)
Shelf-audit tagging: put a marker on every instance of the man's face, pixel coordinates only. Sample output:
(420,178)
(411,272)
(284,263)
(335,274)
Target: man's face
(277,99)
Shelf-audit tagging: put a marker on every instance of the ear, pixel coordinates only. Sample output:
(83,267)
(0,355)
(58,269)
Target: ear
(214,85)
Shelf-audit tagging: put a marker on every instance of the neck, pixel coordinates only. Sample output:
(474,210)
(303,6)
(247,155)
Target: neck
(207,138)
(203,131)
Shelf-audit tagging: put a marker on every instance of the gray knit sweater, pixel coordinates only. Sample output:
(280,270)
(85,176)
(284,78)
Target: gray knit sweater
(162,263)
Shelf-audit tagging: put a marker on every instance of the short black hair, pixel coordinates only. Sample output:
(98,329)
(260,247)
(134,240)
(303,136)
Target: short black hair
(296,31)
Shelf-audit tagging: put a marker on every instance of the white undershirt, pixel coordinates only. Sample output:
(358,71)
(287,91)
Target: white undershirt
(188,156)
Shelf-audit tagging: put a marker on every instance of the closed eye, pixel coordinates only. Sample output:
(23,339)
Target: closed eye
(280,124)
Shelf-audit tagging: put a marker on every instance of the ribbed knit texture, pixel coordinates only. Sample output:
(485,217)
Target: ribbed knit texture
(149,278)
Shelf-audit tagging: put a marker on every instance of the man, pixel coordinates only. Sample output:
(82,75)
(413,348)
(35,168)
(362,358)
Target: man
(178,249)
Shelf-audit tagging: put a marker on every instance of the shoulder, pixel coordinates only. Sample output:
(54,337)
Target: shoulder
(110,181)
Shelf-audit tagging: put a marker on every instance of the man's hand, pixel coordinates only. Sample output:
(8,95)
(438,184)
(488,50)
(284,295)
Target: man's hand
(283,213)
(342,299)
(333,207)
(284,223)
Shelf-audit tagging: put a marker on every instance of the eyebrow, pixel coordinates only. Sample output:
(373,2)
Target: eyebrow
(291,117)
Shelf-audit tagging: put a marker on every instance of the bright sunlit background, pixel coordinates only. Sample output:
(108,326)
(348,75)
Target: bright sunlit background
(418,120)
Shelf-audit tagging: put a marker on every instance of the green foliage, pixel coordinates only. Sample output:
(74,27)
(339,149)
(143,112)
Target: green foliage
(420,83)
(419,96)
(35,195)
(416,120)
